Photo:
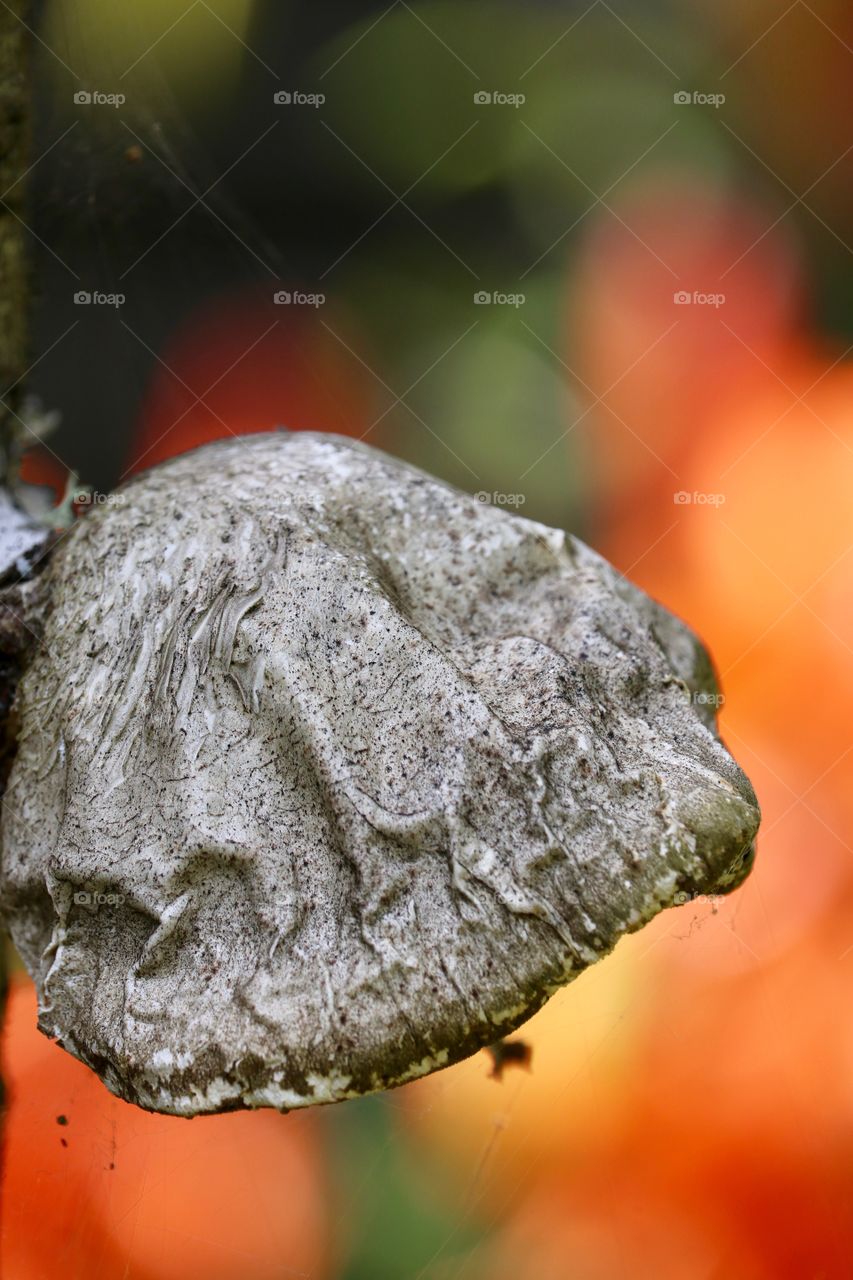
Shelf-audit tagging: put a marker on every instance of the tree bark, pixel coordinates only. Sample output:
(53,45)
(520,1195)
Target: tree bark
(14,257)
(14,264)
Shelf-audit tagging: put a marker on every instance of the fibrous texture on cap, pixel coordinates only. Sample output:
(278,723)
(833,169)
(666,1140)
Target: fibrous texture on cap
(328,775)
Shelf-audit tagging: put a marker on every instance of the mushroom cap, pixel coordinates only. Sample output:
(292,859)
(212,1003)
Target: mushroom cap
(329,775)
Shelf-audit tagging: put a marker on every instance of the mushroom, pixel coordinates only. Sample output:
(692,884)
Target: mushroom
(328,775)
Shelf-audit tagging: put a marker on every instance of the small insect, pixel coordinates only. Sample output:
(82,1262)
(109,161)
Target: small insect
(509,1053)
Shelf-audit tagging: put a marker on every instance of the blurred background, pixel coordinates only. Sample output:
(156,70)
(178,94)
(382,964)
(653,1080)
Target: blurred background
(593,262)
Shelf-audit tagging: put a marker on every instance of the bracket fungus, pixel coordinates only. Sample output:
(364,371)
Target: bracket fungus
(328,775)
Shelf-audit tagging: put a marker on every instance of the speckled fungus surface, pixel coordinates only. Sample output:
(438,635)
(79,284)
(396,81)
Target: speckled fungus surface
(329,775)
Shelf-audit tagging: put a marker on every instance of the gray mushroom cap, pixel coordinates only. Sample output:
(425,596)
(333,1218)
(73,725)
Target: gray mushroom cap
(329,775)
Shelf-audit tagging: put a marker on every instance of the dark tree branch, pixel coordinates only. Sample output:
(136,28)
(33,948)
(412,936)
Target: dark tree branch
(14,261)
(14,150)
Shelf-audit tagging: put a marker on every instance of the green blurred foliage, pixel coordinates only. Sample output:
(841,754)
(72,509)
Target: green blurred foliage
(492,406)
(139,49)
(397,1219)
(403,91)
(598,134)
(496,198)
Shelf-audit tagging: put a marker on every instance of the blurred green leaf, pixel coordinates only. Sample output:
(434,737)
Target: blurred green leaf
(403,89)
(492,406)
(396,1224)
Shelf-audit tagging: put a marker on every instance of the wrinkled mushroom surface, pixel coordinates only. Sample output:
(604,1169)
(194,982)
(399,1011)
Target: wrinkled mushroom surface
(329,775)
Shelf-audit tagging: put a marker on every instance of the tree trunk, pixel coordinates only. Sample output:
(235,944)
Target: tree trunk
(14,262)
(14,258)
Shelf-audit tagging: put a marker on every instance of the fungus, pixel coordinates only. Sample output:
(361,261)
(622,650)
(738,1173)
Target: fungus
(328,775)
